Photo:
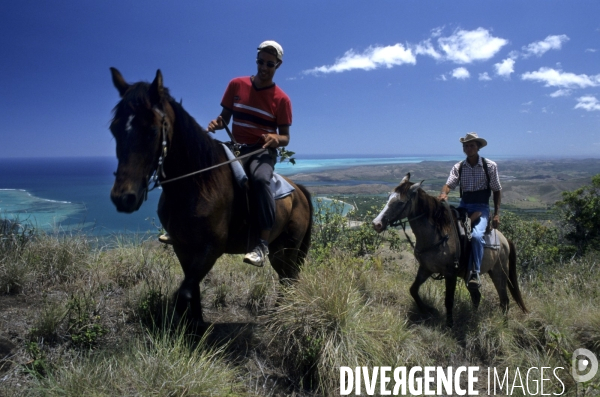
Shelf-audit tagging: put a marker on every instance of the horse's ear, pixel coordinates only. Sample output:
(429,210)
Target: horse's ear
(416,186)
(405,179)
(156,88)
(119,82)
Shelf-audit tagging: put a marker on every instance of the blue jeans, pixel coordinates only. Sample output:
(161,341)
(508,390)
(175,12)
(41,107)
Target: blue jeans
(477,232)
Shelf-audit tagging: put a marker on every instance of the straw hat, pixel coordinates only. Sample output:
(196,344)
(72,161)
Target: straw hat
(472,136)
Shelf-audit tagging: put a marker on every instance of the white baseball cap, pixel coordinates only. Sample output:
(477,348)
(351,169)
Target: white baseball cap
(275,45)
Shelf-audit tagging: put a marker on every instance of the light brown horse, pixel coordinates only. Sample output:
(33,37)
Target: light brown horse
(205,214)
(437,248)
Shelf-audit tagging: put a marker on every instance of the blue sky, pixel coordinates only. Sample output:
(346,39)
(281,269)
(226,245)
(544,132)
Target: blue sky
(368,78)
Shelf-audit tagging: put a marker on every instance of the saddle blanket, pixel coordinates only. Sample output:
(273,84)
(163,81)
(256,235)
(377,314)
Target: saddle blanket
(491,240)
(279,186)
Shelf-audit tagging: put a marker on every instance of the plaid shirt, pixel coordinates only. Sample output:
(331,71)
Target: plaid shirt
(473,178)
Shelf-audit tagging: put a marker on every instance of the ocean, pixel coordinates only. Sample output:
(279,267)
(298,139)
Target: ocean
(73,194)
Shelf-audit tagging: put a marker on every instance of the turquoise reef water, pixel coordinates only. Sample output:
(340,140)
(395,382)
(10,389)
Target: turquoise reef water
(46,214)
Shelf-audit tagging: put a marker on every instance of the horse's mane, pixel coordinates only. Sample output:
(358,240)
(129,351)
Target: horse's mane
(432,207)
(202,150)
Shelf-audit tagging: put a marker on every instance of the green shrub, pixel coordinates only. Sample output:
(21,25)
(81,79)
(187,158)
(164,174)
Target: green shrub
(537,243)
(83,314)
(579,213)
(332,230)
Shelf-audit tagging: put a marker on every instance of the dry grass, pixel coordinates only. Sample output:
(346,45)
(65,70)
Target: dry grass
(80,318)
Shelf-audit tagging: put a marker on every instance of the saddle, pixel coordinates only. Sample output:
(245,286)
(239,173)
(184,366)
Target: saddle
(464,226)
(280,188)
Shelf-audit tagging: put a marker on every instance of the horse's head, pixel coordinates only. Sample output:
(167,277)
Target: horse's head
(142,126)
(399,204)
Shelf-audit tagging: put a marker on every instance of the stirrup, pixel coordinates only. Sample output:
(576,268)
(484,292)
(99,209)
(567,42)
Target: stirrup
(257,256)
(474,280)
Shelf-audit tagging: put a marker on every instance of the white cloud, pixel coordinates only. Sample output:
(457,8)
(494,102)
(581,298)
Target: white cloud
(527,103)
(426,48)
(437,32)
(539,48)
(561,92)
(591,50)
(588,102)
(484,76)
(462,47)
(461,73)
(558,78)
(505,68)
(371,58)
(513,54)
(466,46)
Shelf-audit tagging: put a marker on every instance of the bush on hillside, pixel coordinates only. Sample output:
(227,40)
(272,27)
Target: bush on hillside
(537,242)
(579,213)
(332,230)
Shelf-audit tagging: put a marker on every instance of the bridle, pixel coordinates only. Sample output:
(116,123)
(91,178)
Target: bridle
(402,221)
(160,170)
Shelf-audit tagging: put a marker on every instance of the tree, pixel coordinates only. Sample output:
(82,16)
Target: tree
(579,213)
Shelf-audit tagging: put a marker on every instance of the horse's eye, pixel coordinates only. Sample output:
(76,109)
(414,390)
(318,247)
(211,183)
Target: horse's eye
(153,132)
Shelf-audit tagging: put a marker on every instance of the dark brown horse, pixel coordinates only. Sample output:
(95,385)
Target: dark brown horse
(205,214)
(437,248)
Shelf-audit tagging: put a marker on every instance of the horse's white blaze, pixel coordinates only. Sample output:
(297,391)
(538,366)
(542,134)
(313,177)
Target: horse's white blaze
(393,197)
(128,126)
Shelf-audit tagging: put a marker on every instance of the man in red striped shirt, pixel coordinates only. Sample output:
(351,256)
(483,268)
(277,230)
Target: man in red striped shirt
(477,182)
(262,116)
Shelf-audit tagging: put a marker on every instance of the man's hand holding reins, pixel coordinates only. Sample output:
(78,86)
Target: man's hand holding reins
(270,141)
(444,193)
(496,221)
(277,140)
(216,124)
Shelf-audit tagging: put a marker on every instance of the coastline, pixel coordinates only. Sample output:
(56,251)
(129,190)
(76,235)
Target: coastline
(74,194)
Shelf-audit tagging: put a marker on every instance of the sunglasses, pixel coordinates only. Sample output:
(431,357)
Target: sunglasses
(270,64)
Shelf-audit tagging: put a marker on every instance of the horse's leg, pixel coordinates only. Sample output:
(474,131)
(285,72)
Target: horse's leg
(450,278)
(422,276)
(288,250)
(195,267)
(475,296)
(499,278)
(285,262)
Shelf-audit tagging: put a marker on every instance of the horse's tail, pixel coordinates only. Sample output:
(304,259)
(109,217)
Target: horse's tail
(513,280)
(304,247)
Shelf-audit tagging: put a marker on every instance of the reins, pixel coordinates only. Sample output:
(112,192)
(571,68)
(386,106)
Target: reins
(403,224)
(210,168)
(163,155)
